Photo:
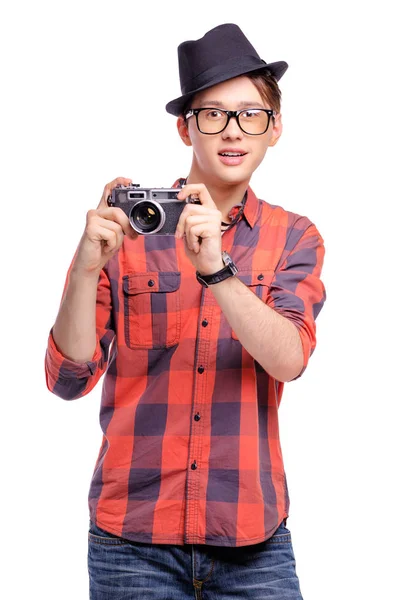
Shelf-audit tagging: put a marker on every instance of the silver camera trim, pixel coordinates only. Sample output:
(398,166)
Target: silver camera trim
(131,193)
(162,220)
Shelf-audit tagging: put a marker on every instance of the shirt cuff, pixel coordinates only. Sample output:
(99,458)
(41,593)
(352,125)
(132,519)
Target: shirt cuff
(59,365)
(307,345)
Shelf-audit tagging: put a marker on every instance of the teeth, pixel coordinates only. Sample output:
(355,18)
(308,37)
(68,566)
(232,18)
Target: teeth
(231,154)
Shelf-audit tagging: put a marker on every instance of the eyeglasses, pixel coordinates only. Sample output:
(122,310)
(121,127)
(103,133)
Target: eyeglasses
(253,121)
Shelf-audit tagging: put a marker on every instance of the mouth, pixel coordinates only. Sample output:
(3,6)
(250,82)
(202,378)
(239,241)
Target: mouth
(232,158)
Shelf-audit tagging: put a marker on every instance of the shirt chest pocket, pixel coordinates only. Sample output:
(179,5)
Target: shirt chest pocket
(152,313)
(258,282)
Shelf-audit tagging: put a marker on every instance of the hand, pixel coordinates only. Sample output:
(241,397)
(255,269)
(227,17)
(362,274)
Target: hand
(104,233)
(201,227)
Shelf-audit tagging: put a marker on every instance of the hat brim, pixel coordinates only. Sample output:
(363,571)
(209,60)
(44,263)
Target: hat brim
(276,69)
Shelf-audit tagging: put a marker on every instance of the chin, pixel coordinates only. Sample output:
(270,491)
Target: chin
(233,174)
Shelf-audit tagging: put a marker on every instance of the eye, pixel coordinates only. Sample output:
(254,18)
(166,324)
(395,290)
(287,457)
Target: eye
(251,113)
(214,114)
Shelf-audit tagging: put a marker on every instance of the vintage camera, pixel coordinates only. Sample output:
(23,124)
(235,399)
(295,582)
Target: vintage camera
(150,210)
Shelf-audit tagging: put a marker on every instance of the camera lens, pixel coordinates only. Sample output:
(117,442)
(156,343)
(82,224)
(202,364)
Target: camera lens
(147,217)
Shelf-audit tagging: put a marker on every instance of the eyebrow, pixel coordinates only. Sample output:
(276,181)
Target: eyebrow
(241,104)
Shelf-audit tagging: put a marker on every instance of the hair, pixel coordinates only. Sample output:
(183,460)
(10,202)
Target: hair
(266,85)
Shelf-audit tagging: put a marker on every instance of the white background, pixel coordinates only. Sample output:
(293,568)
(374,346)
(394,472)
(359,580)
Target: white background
(84,88)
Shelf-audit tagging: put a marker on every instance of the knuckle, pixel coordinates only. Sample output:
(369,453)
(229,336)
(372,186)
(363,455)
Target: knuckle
(90,214)
(115,213)
(116,225)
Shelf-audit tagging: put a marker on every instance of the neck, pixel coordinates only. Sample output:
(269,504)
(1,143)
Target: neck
(225,194)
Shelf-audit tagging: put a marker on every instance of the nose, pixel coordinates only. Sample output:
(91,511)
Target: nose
(232,130)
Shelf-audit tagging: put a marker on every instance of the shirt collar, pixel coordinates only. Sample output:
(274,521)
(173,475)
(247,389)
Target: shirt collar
(251,207)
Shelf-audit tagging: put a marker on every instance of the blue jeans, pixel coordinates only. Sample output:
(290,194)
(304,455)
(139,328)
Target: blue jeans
(123,570)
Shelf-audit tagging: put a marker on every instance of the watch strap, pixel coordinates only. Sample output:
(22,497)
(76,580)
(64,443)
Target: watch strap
(229,270)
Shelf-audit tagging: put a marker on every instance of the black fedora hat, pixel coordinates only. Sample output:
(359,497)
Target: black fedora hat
(222,53)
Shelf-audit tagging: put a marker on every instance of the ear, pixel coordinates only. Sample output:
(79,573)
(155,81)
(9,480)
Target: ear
(183,130)
(276,130)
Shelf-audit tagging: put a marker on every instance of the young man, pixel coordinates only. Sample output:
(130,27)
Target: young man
(196,335)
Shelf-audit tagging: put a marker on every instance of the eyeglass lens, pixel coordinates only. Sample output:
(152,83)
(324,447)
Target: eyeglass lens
(252,121)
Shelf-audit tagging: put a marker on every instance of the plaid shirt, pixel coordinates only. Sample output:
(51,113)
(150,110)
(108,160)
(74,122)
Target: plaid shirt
(190,450)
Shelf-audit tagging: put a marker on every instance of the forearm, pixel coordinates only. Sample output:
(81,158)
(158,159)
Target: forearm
(272,340)
(74,331)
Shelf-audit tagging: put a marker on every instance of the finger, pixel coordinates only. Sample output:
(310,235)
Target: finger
(193,243)
(96,220)
(110,186)
(200,190)
(116,214)
(108,237)
(191,221)
(198,232)
(115,242)
(195,209)
(104,222)
(102,229)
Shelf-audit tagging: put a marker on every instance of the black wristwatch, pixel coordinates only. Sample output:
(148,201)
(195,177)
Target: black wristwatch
(229,270)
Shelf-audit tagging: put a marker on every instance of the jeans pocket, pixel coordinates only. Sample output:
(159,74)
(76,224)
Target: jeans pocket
(281,535)
(100,536)
(152,311)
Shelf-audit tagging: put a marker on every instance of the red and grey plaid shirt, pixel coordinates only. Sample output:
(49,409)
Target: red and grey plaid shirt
(190,450)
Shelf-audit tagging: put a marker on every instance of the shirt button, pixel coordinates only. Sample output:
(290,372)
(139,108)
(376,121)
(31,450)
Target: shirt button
(194,466)
(204,323)
(200,370)
(150,283)
(197,417)
(260,277)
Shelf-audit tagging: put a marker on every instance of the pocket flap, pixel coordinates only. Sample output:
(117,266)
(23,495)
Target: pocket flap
(151,281)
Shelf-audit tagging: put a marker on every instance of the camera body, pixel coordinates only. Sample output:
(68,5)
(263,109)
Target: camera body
(151,211)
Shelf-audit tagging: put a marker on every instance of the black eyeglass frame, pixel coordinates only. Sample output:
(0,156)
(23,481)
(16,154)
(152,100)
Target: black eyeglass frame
(230,114)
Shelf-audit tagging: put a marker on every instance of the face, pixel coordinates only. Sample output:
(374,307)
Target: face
(207,162)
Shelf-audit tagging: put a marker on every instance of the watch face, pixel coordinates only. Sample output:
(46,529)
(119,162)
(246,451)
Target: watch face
(226,258)
(228,262)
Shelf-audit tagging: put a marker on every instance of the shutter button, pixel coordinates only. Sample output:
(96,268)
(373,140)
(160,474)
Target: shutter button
(150,283)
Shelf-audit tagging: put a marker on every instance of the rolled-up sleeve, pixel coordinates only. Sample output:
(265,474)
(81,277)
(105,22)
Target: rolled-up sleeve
(296,291)
(69,379)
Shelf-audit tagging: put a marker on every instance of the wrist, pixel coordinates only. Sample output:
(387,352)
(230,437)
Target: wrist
(211,269)
(228,269)
(82,273)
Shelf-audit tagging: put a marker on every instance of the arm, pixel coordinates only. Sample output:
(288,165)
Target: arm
(74,331)
(78,343)
(296,293)
(273,341)
(281,334)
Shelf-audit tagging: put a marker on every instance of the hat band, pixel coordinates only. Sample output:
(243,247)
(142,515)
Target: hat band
(231,65)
